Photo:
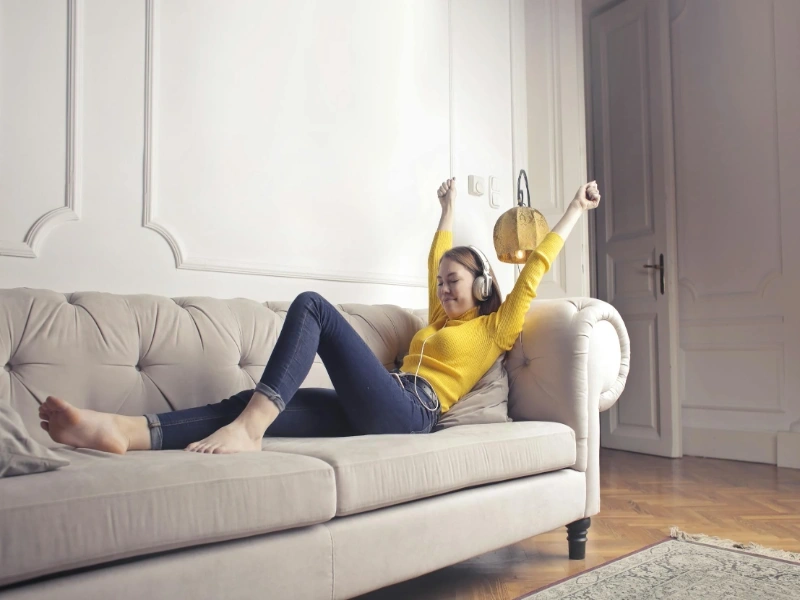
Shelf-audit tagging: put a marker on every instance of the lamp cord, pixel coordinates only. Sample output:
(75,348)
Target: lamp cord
(521,345)
(520,196)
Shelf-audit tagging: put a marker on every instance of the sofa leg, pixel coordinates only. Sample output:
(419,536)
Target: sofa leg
(576,537)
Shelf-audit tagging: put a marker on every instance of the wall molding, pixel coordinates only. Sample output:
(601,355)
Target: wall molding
(648,227)
(749,321)
(31,246)
(555,110)
(748,446)
(183,260)
(789,449)
(677,10)
(519,91)
(651,431)
(758,293)
(450,91)
(777,347)
(775,273)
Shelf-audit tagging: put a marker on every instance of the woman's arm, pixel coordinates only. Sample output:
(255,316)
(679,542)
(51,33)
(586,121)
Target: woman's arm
(586,198)
(447,196)
(511,314)
(442,242)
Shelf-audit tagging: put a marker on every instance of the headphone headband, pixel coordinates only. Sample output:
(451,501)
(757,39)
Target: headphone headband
(484,262)
(482,288)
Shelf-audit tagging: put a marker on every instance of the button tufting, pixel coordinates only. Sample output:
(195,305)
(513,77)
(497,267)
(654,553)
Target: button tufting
(138,368)
(7,368)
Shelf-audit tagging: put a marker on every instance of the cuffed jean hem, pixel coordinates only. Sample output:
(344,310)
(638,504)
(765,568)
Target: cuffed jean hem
(263,388)
(156,434)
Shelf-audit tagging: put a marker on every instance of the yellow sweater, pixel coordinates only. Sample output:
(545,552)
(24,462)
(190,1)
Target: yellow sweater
(456,358)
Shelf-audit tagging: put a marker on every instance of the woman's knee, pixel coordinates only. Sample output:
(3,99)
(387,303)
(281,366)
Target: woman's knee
(307,298)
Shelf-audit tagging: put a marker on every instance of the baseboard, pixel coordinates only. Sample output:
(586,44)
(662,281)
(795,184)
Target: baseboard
(748,446)
(789,449)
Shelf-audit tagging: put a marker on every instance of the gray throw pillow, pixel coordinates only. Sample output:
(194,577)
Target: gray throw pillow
(487,402)
(19,454)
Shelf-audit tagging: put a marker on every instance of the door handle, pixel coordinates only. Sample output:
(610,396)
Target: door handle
(659,267)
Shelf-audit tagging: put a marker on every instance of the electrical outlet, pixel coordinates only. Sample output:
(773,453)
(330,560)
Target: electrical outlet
(476,185)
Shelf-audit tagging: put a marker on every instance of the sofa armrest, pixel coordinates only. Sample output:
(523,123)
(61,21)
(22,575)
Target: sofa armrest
(571,363)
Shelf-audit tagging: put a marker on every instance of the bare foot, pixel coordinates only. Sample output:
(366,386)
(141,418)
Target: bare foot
(82,428)
(228,440)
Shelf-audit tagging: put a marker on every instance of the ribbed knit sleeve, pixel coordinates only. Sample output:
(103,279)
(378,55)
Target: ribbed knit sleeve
(508,320)
(442,242)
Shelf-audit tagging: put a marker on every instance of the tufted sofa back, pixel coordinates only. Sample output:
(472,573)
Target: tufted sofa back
(139,354)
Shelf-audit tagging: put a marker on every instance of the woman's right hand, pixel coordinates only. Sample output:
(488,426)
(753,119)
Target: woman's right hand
(447,194)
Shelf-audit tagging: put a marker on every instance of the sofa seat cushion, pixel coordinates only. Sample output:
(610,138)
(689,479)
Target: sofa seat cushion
(375,471)
(104,507)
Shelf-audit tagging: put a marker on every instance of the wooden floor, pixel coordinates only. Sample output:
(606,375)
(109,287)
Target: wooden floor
(642,496)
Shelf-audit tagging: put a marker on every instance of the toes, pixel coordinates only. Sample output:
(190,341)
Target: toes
(57,403)
(45,425)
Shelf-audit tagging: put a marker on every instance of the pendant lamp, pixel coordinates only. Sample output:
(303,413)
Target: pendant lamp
(519,230)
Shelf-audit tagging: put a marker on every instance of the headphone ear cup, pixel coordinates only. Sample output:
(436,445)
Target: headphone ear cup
(479,288)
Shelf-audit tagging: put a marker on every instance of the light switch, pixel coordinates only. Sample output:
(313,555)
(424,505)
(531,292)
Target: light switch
(476,185)
(495,198)
(494,184)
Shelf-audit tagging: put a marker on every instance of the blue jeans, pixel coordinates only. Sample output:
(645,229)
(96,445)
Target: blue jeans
(366,399)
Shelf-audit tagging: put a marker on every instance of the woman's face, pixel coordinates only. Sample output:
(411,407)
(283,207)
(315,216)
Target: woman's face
(454,288)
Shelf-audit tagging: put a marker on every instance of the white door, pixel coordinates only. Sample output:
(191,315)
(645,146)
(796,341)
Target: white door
(737,158)
(632,160)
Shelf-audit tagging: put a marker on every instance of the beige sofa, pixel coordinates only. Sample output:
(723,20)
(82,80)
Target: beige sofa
(305,518)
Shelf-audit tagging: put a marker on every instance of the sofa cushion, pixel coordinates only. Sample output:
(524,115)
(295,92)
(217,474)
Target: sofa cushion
(105,507)
(487,402)
(374,471)
(19,454)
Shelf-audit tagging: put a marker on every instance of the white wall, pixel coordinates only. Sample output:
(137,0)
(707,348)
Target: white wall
(263,147)
(736,84)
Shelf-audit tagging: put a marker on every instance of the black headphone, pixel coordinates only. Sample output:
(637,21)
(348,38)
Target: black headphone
(482,286)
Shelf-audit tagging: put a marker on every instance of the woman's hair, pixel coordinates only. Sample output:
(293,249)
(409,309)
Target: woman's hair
(467,259)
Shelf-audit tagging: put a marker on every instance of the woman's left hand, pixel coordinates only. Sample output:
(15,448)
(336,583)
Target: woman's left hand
(587,197)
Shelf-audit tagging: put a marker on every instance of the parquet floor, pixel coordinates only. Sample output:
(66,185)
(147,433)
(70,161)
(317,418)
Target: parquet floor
(642,496)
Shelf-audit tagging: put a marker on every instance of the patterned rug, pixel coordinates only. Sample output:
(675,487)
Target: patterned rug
(688,567)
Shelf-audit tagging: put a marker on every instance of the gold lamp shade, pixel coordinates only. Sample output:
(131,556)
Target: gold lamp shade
(519,230)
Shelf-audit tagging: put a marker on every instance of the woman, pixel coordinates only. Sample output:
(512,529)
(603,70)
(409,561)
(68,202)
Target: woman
(469,328)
